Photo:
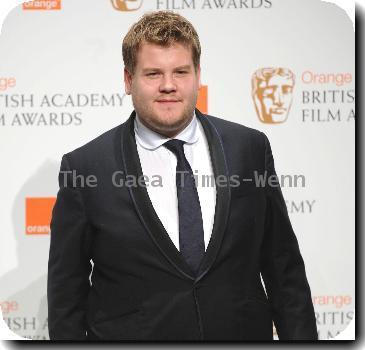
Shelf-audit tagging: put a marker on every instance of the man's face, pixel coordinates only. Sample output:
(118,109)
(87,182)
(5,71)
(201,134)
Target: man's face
(164,87)
(275,97)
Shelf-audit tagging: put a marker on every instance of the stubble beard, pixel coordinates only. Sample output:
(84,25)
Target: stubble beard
(164,126)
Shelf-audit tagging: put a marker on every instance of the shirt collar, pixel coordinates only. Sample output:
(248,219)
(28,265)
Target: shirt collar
(150,139)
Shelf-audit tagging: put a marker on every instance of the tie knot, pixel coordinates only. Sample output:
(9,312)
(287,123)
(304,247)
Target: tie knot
(176,147)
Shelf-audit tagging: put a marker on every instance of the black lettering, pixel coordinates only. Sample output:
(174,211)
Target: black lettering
(16,120)
(45,102)
(31,323)
(351,95)
(69,102)
(351,115)
(110,102)
(77,118)
(334,117)
(219,3)
(258,5)
(231,4)
(94,100)
(187,4)
(206,3)
(54,102)
(41,120)
(66,118)
(53,119)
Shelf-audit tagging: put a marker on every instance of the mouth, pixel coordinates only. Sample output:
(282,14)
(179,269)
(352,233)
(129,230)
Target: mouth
(278,110)
(167,102)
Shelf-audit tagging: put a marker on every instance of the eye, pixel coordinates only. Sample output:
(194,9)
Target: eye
(287,89)
(152,74)
(182,72)
(267,92)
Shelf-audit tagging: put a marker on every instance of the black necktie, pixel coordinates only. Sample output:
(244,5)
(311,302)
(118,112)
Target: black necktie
(191,233)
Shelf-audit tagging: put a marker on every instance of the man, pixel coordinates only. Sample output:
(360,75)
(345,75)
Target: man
(272,92)
(174,261)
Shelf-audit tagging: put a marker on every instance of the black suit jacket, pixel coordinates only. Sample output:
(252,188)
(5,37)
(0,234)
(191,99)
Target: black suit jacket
(142,289)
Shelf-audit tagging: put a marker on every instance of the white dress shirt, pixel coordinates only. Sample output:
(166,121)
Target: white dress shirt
(158,162)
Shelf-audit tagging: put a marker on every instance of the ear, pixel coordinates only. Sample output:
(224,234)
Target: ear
(127,81)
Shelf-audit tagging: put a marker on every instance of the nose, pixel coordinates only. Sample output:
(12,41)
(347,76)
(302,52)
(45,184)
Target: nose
(278,97)
(168,84)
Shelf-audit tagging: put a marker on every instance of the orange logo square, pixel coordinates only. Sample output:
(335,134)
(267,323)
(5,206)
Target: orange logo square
(42,5)
(38,214)
(202,103)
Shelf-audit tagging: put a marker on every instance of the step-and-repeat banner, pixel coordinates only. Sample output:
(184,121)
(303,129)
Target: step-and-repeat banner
(285,67)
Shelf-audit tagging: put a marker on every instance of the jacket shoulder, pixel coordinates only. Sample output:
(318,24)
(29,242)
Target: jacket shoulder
(227,128)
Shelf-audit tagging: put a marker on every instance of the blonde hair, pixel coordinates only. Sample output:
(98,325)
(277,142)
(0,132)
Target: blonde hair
(162,28)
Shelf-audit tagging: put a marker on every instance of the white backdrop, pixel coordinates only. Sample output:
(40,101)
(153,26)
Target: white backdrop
(75,52)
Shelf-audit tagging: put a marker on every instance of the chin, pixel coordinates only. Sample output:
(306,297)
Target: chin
(279,118)
(171,123)
(172,117)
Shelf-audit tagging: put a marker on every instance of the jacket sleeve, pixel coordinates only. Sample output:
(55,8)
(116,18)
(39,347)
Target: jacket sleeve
(69,262)
(282,268)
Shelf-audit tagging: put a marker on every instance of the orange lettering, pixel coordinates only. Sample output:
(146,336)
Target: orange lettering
(6,83)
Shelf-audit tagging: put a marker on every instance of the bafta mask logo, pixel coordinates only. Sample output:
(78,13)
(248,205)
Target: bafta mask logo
(126,5)
(272,93)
